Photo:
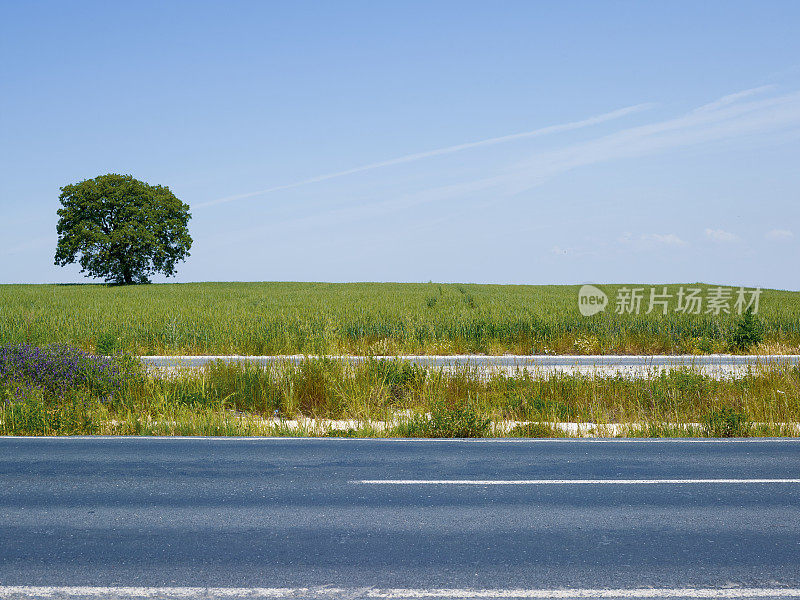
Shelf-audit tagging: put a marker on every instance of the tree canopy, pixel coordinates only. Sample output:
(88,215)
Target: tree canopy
(121,229)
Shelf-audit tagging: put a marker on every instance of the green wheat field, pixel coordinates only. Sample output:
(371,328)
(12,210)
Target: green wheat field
(371,319)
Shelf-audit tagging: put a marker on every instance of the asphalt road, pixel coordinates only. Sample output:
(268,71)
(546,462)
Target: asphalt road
(550,360)
(475,519)
(715,365)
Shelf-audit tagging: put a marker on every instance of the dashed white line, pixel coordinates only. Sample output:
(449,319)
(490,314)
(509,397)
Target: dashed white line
(569,481)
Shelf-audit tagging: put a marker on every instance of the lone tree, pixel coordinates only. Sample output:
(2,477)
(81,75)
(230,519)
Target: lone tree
(123,229)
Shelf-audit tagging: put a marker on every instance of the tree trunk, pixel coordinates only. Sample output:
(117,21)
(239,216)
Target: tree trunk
(127,276)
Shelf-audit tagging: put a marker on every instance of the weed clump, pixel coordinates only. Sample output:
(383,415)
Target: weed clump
(461,420)
(748,331)
(536,430)
(399,377)
(341,433)
(727,422)
(74,414)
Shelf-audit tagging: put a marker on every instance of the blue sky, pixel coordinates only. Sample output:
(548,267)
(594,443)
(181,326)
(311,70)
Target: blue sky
(511,142)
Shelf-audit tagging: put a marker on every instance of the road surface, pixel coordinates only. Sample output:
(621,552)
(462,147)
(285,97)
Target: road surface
(326,518)
(714,364)
(549,360)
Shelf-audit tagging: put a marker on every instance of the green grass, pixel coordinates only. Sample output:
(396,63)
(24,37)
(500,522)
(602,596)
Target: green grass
(242,399)
(367,318)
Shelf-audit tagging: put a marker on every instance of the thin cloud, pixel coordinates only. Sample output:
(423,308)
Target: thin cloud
(667,239)
(731,119)
(777,235)
(617,114)
(720,235)
(728,122)
(733,98)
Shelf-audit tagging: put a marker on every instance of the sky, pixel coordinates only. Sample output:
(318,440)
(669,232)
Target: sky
(488,142)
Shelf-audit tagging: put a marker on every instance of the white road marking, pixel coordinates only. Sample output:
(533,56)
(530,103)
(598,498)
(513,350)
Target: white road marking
(137,593)
(567,481)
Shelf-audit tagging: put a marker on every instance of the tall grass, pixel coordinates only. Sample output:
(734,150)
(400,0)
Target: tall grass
(393,398)
(365,318)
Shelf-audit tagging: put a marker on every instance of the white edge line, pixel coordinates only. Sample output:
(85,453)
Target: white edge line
(24,592)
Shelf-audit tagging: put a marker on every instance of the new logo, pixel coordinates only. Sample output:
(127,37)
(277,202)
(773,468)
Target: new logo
(591,300)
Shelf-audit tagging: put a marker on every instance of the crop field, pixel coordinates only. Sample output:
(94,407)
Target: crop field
(374,319)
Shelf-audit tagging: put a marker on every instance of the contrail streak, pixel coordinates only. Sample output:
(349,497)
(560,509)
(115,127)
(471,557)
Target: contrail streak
(438,152)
